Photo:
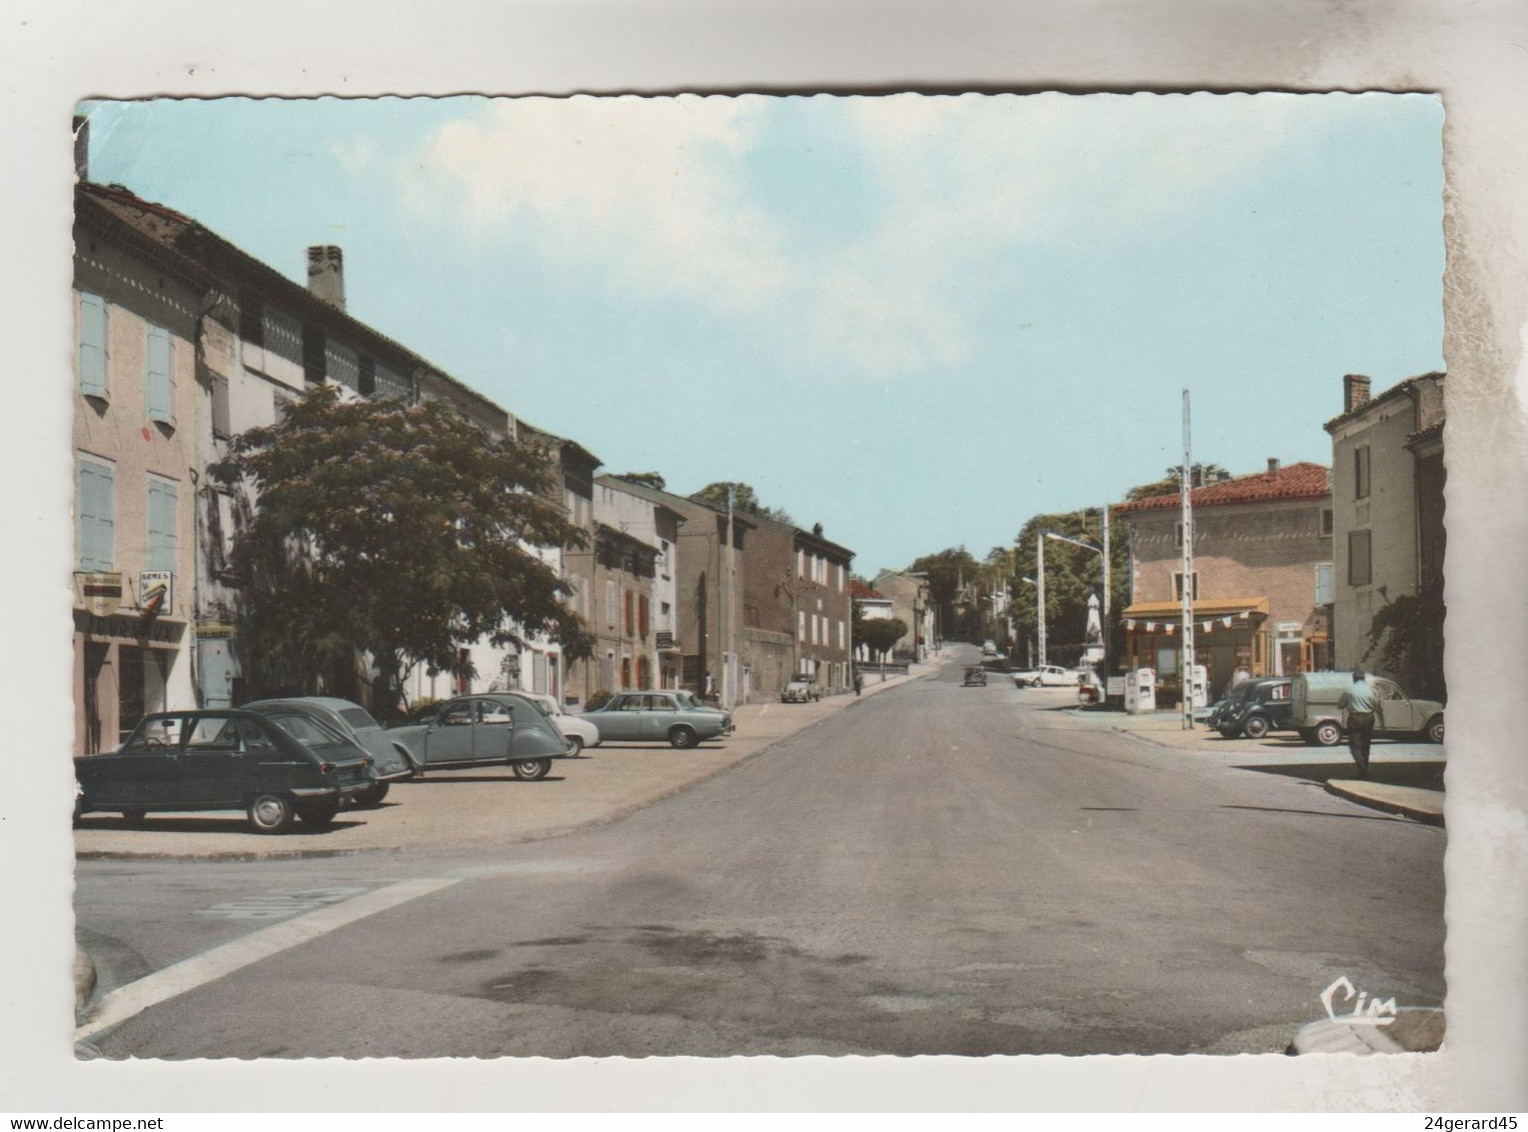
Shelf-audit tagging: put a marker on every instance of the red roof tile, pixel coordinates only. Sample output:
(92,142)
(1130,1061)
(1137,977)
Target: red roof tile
(858,591)
(1297,481)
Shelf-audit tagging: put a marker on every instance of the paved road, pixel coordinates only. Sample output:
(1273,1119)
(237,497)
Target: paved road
(936,870)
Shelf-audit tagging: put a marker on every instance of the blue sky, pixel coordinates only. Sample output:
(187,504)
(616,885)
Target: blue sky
(918,321)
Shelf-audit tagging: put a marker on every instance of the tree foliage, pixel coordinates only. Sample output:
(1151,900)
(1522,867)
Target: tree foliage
(744,499)
(1406,640)
(645,479)
(1199,475)
(946,571)
(1071,575)
(401,532)
(879,634)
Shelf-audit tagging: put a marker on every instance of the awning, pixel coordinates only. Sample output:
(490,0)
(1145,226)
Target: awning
(1209,613)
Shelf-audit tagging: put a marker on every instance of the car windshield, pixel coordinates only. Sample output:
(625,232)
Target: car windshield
(308,731)
(359,719)
(688,700)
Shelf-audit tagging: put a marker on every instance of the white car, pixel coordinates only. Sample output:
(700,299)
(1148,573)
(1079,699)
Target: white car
(1047,675)
(580,732)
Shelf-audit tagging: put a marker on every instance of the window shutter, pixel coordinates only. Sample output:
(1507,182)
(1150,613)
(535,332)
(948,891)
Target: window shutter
(220,416)
(158,386)
(162,526)
(97,507)
(1324,583)
(642,611)
(92,345)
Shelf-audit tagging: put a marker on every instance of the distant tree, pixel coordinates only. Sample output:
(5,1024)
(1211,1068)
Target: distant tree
(1199,476)
(744,499)
(946,570)
(1071,576)
(645,479)
(398,532)
(879,634)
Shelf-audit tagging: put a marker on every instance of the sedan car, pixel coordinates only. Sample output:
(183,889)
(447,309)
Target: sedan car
(226,760)
(388,763)
(800,690)
(657,717)
(975,676)
(575,729)
(490,729)
(1255,707)
(1047,675)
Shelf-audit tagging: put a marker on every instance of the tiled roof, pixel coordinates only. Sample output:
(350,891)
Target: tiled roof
(1297,481)
(1394,391)
(858,591)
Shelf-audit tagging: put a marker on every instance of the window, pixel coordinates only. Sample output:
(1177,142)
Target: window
(840,577)
(1323,583)
(626,618)
(610,605)
(389,384)
(801,625)
(96,511)
(841,633)
(93,345)
(158,382)
(642,614)
(282,335)
(1178,585)
(1359,565)
(220,415)
(800,563)
(342,364)
(314,355)
(162,526)
(1327,525)
(1361,472)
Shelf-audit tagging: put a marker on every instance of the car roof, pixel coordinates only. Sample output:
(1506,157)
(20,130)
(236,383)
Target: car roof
(333,703)
(203,713)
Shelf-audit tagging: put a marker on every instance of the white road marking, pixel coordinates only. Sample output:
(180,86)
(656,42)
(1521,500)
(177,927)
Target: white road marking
(178,978)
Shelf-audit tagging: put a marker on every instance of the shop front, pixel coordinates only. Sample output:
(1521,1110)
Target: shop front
(123,670)
(1232,640)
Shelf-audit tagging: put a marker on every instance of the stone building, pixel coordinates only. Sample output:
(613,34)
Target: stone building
(655,525)
(910,604)
(1262,577)
(1387,498)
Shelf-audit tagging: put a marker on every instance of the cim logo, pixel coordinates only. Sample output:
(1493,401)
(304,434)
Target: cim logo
(1376,1013)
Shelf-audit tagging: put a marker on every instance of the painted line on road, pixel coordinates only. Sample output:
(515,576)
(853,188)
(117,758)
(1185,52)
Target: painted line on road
(178,978)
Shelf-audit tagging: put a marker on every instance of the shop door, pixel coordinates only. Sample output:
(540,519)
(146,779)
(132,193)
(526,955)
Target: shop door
(100,694)
(215,670)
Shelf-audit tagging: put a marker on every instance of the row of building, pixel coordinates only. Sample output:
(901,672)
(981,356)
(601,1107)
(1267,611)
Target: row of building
(184,341)
(1291,565)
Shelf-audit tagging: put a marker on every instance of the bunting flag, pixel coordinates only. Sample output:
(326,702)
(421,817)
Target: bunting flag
(1226,621)
(1129,624)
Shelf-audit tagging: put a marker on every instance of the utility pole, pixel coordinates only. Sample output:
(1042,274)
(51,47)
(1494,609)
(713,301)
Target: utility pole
(729,662)
(1185,489)
(1107,632)
(1040,593)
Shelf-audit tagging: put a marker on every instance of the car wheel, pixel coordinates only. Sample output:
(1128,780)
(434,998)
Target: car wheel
(1255,727)
(529,770)
(271,813)
(1327,734)
(1227,732)
(1035,683)
(1434,730)
(372,796)
(577,745)
(683,737)
(133,816)
(320,814)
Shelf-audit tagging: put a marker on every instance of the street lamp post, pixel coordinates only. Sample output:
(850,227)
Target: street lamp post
(1040,611)
(1103,554)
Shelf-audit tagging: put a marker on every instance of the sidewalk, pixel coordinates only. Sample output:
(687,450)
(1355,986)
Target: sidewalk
(1405,778)
(483,806)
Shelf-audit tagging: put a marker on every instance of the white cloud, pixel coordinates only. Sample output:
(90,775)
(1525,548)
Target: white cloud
(656,191)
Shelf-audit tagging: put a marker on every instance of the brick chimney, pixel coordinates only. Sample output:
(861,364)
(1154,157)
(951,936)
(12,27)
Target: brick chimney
(1273,465)
(1355,391)
(326,274)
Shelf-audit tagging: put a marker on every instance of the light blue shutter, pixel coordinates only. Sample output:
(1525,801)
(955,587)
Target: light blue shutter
(97,509)
(162,541)
(158,389)
(92,345)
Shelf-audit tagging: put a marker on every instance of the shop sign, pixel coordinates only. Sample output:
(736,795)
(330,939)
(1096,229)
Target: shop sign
(1290,628)
(213,630)
(102,592)
(665,641)
(127,629)
(149,584)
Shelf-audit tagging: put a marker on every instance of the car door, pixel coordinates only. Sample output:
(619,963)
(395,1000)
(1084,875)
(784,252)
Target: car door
(621,719)
(141,771)
(449,738)
(212,761)
(493,729)
(1393,710)
(658,715)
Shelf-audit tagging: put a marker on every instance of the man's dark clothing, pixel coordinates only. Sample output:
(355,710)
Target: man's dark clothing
(1360,734)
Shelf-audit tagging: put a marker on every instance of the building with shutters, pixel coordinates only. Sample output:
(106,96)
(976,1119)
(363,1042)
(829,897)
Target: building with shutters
(184,342)
(655,650)
(1387,499)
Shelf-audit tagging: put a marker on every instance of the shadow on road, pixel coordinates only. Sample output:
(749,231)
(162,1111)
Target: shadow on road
(1426,775)
(233,823)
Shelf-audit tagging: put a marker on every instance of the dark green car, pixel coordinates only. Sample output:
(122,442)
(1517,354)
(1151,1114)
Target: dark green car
(273,769)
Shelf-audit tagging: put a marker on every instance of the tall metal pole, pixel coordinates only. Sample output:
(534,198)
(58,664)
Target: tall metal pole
(1106,603)
(1040,595)
(729,662)
(1185,489)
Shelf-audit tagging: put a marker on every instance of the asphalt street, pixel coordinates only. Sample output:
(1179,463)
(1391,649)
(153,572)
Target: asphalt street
(937,870)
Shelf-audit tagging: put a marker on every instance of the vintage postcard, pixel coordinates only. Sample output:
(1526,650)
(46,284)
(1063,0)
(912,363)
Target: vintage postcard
(743,575)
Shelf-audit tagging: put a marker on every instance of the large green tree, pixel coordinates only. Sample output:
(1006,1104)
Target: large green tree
(946,571)
(399,532)
(1071,575)
(744,499)
(1405,639)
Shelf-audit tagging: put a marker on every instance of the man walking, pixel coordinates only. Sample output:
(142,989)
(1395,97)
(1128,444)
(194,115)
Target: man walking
(1358,708)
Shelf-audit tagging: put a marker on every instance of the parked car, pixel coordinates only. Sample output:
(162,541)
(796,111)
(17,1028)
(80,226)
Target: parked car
(976,676)
(488,729)
(226,760)
(575,729)
(1318,718)
(657,717)
(800,690)
(1047,675)
(1255,707)
(388,763)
